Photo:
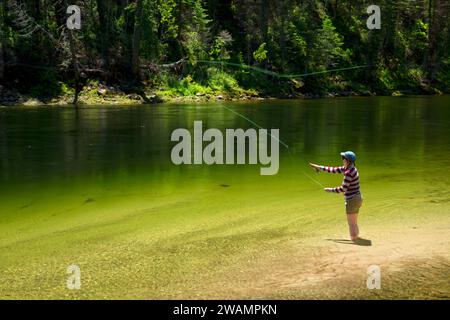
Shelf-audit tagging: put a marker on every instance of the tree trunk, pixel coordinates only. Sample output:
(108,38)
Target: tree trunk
(264,21)
(430,56)
(2,45)
(430,16)
(136,39)
(103,28)
(283,11)
(2,62)
(75,68)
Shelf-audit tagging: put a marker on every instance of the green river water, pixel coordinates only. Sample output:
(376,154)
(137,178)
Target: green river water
(96,187)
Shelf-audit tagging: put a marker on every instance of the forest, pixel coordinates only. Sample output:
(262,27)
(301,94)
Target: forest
(150,51)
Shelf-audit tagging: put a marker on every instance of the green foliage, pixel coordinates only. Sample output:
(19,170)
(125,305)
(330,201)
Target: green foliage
(219,80)
(168,25)
(151,47)
(260,54)
(411,52)
(419,39)
(219,50)
(194,47)
(188,87)
(385,78)
(327,49)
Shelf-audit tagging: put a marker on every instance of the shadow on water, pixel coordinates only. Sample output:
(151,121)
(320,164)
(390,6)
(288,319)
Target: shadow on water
(359,242)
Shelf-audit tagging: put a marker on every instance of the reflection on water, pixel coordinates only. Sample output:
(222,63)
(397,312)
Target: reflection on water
(59,145)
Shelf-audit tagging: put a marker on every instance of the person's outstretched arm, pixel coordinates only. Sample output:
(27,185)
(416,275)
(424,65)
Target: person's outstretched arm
(327,169)
(339,189)
(350,177)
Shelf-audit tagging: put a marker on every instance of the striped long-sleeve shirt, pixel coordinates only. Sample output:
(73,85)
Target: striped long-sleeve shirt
(350,185)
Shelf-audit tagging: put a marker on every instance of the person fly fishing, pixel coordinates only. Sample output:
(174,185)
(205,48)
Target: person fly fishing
(350,188)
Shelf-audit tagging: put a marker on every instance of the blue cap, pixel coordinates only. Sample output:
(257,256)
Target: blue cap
(349,155)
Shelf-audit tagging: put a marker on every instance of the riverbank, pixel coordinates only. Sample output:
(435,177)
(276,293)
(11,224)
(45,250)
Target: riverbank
(111,95)
(102,94)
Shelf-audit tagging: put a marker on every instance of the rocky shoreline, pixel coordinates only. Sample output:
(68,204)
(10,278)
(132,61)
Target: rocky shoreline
(110,95)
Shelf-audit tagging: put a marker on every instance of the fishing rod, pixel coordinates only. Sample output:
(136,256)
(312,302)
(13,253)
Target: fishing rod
(255,124)
(278,75)
(281,75)
(280,141)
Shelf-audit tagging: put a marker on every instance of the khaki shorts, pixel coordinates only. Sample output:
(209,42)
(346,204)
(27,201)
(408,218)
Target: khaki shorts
(353,204)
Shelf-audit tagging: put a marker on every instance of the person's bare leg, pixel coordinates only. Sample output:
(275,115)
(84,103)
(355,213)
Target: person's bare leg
(352,219)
